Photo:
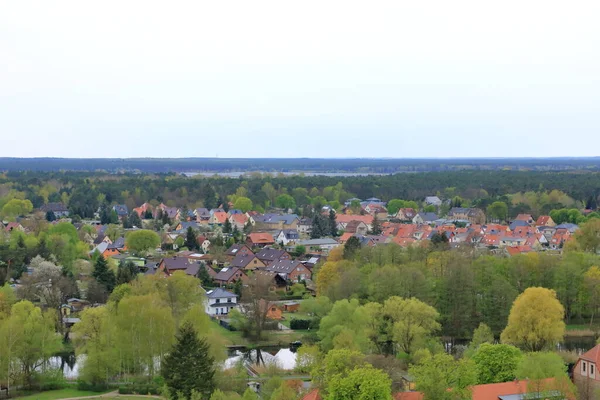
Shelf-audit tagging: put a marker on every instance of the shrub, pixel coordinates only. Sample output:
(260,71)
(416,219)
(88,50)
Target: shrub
(51,379)
(300,323)
(92,387)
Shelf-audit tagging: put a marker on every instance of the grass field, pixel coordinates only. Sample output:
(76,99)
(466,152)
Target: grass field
(60,394)
(273,338)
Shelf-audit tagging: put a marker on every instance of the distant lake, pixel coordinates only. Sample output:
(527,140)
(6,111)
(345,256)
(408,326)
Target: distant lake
(237,174)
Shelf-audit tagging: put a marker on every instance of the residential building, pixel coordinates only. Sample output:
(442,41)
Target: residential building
(248,262)
(273,221)
(405,214)
(259,239)
(424,218)
(285,236)
(545,220)
(525,218)
(59,209)
(238,248)
(473,215)
(230,275)
(433,201)
(268,255)
(170,265)
(121,210)
(290,270)
(220,302)
(304,226)
(585,373)
(356,227)
(324,245)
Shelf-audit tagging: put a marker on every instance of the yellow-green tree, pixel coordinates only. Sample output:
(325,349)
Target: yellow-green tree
(535,321)
(145,331)
(413,321)
(141,241)
(15,208)
(95,337)
(27,340)
(591,280)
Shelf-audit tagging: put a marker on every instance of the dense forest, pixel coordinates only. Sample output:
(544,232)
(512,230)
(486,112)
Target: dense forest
(83,192)
(356,165)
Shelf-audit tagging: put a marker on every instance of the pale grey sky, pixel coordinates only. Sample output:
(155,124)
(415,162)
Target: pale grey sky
(299,79)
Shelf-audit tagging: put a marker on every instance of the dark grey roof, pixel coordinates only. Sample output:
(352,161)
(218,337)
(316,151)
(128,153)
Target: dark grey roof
(54,207)
(276,218)
(290,234)
(227,273)
(234,249)
(428,216)
(121,209)
(242,260)
(283,266)
(515,224)
(175,262)
(268,254)
(186,225)
(220,293)
(117,244)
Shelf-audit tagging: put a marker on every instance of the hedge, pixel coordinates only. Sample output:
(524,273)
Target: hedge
(300,323)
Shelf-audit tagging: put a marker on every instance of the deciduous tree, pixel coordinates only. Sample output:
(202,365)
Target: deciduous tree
(535,321)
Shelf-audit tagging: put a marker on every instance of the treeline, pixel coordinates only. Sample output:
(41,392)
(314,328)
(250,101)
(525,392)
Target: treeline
(465,288)
(353,165)
(83,193)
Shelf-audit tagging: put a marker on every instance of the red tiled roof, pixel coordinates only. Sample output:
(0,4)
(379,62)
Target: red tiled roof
(513,251)
(592,355)
(408,396)
(543,220)
(314,395)
(344,238)
(344,218)
(220,216)
(260,237)
(491,391)
(523,217)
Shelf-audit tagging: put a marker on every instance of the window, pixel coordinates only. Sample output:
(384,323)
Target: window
(592,369)
(229,300)
(583,366)
(217,300)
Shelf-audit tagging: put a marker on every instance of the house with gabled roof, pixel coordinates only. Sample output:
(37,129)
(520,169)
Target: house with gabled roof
(230,275)
(235,249)
(285,236)
(405,214)
(218,217)
(259,239)
(121,210)
(220,302)
(424,218)
(247,261)
(268,255)
(58,209)
(545,220)
(290,270)
(585,372)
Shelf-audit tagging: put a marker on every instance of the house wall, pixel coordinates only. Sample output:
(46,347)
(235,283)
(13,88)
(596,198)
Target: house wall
(586,377)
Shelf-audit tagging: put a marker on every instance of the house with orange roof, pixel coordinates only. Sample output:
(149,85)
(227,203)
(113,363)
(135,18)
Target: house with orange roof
(494,228)
(513,390)
(313,395)
(405,214)
(343,219)
(218,218)
(259,239)
(238,220)
(404,242)
(141,210)
(490,240)
(585,372)
(560,237)
(345,236)
(526,218)
(513,251)
(545,220)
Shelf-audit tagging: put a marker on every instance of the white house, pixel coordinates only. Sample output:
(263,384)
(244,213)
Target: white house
(286,235)
(220,302)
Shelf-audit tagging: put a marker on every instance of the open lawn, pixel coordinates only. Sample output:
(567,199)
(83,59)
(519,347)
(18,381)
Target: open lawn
(61,394)
(289,316)
(272,338)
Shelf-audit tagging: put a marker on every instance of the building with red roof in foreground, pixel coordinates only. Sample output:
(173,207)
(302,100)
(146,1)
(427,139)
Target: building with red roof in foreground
(513,390)
(585,373)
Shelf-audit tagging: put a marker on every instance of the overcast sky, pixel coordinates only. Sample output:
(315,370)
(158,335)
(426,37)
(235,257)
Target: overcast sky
(299,79)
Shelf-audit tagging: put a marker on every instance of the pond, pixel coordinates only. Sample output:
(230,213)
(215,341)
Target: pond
(282,357)
(285,357)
